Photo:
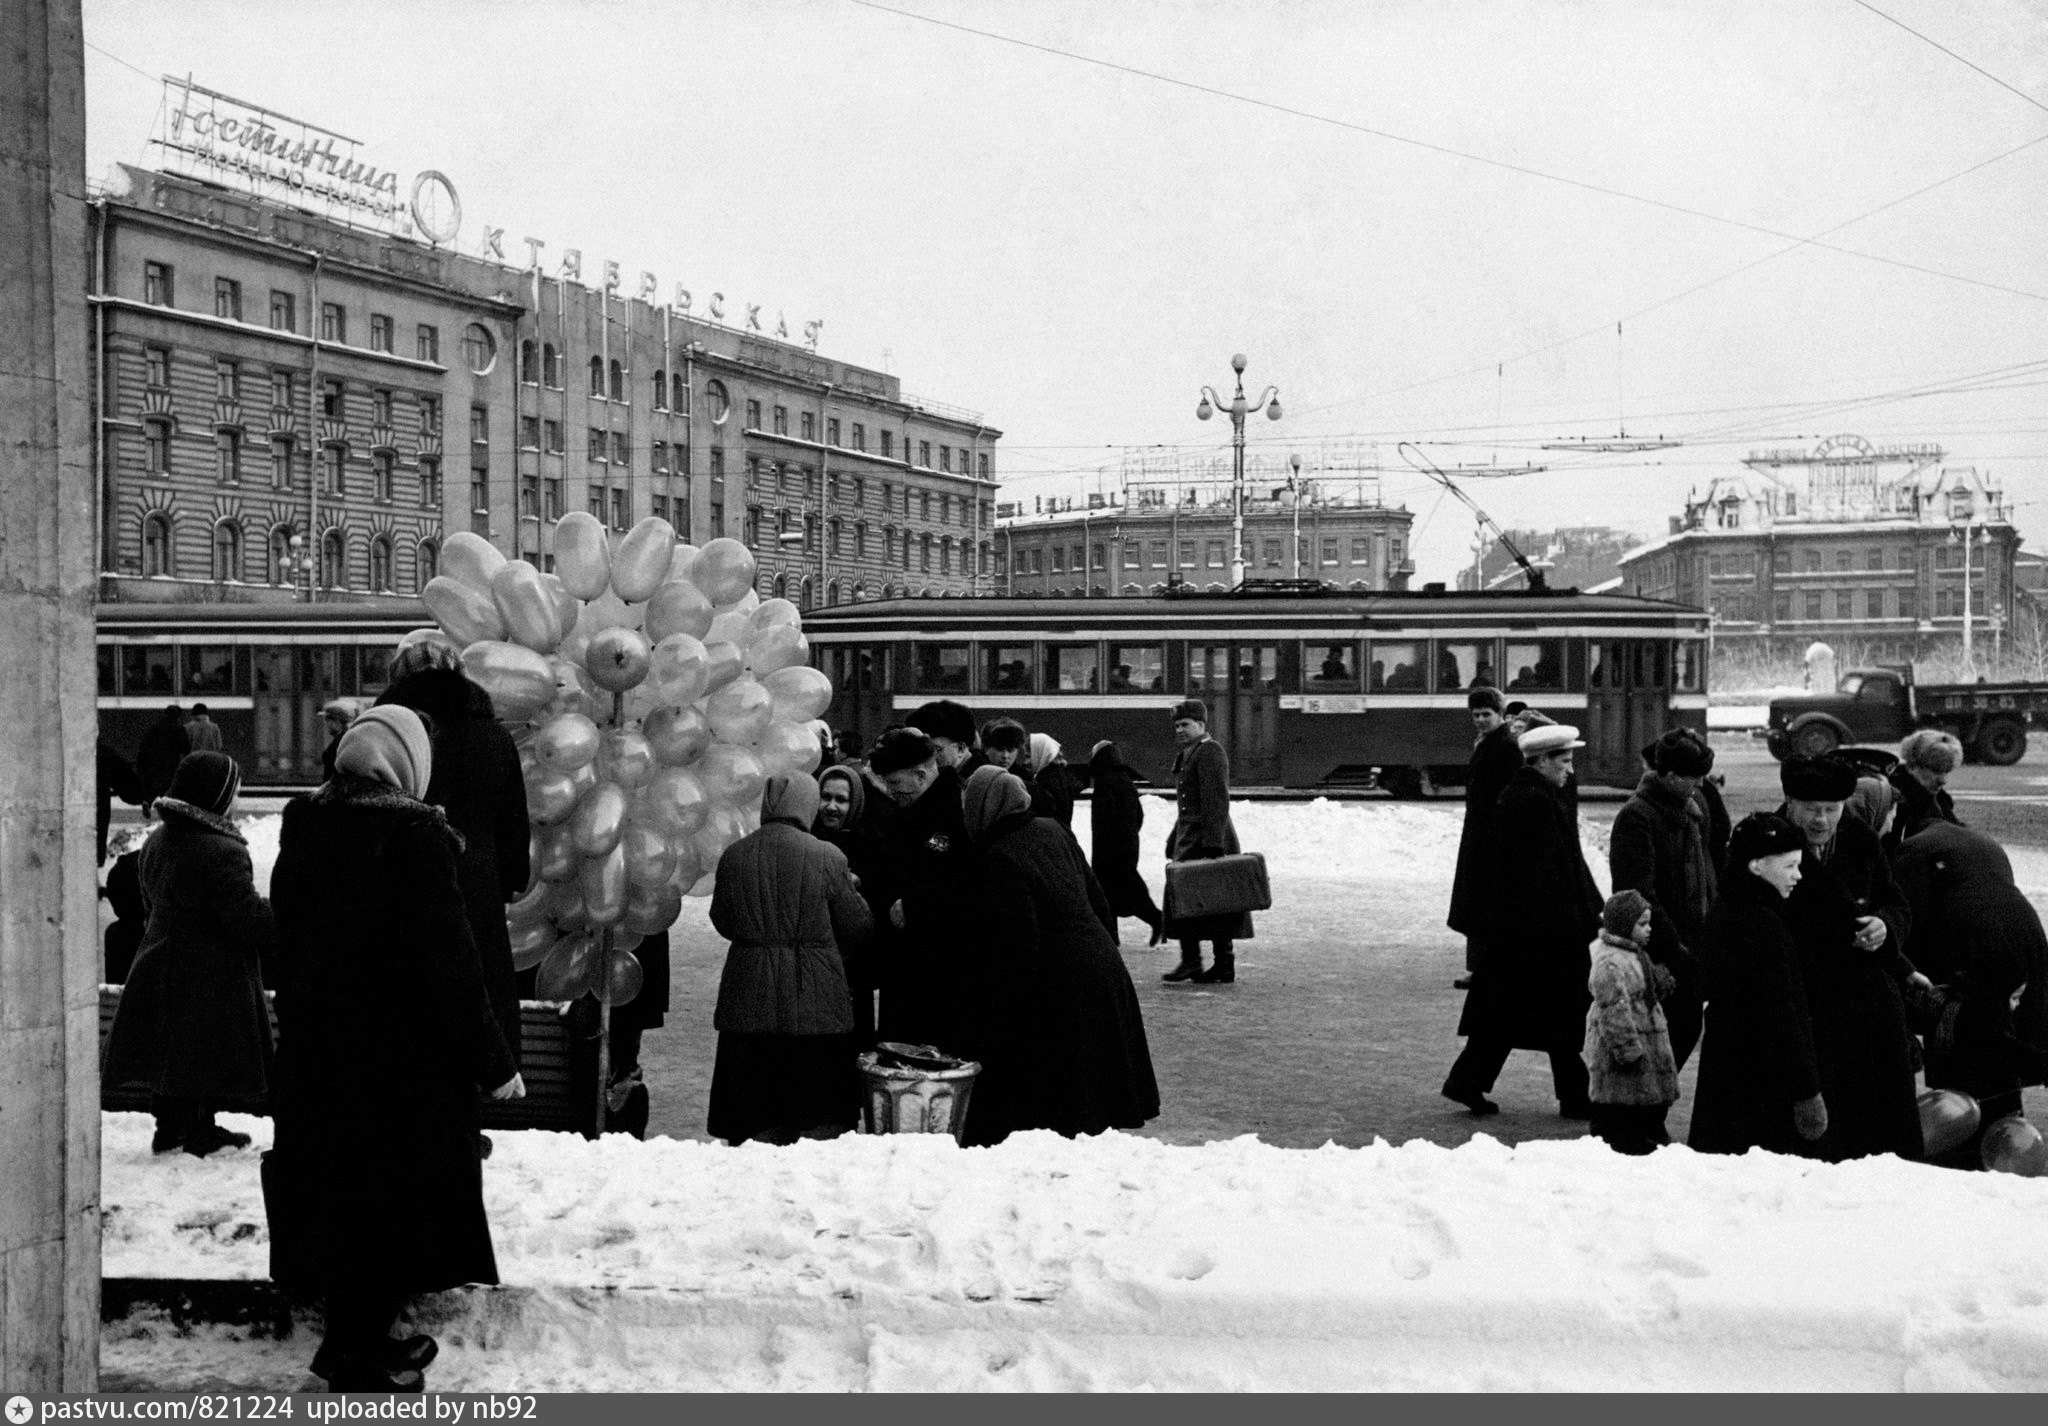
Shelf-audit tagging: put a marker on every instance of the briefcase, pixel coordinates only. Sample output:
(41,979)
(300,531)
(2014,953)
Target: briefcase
(1218,886)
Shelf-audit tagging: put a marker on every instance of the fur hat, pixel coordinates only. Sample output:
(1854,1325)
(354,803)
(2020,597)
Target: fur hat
(208,781)
(1623,909)
(1003,735)
(1484,696)
(1822,779)
(943,718)
(1762,834)
(1932,749)
(898,749)
(1551,738)
(388,743)
(1681,752)
(1193,708)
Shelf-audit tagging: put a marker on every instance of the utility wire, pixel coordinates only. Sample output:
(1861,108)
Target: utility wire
(1952,54)
(1444,149)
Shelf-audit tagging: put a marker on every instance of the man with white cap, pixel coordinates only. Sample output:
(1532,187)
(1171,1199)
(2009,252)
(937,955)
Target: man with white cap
(1542,915)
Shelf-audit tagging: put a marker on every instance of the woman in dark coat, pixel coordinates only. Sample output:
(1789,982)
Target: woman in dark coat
(785,1067)
(1116,815)
(1055,779)
(386,1037)
(1850,923)
(1047,1008)
(1978,938)
(1759,1082)
(845,820)
(924,851)
(477,783)
(192,1023)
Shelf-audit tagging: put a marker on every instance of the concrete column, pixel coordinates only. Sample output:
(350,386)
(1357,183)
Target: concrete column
(49,958)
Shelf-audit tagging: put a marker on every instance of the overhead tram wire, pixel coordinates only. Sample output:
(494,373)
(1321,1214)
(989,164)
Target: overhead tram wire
(1445,150)
(1967,64)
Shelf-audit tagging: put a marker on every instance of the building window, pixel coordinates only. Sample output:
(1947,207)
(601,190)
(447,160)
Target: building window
(924,504)
(1809,561)
(1875,560)
(156,283)
(380,335)
(860,436)
(1216,554)
(380,407)
(618,382)
(332,394)
(924,454)
(925,548)
(622,511)
(156,447)
(479,348)
(479,497)
(430,483)
(551,437)
(430,415)
(888,444)
(984,467)
(227,381)
(333,322)
(156,364)
(808,426)
(597,376)
(333,470)
(1813,604)
(283,312)
(227,551)
(677,392)
(529,433)
(621,453)
(1361,550)
(594,443)
(1909,605)
(832,431)
(1874,603)
(660,390)
(529,362)
(658,460)
(280,568)
(552,493)
(380,565)
(550,366)
(283,393)
(426,564)
(228,456)
(1845,604)
(781,420)
(383,476)
(1272,553)
(334,560)
(280,463)
(158,553)
(945,457)
(427,343)
(227,298)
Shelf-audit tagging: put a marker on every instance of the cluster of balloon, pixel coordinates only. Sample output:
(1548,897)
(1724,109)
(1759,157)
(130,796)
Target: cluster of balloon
(651,693)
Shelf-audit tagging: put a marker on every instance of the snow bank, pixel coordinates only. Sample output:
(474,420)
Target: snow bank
(1121,1263)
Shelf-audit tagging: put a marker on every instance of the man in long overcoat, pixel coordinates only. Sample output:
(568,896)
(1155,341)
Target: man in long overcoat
(924,848)
(1202,830)
(1530,992)
(1494,762)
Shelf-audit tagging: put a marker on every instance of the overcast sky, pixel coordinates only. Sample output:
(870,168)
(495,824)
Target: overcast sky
(1422,221)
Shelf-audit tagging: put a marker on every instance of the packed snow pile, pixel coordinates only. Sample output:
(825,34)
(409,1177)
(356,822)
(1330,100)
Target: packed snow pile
(1119,1263)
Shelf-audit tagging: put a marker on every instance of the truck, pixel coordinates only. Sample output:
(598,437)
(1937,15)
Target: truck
(1883,704)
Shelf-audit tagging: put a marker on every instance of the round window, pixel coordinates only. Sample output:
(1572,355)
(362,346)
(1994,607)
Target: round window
(719,402)
(479,348)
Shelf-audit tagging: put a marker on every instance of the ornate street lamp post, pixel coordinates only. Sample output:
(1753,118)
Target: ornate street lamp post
(1238,406)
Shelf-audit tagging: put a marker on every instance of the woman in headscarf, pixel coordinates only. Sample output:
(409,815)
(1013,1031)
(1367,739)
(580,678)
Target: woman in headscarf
(1054,778)
(1116,815)
(386,1036)
(785,1068)
(1046,1005)
(843,821)
(192,1024)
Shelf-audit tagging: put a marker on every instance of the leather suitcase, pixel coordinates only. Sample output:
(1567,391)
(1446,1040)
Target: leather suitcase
(1219,886)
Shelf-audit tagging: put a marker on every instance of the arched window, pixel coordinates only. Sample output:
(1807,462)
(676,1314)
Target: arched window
(860,542)
(675,388)
(832,593)
(803,596)
(551,366)
(380,564)
(924,544)
(281,555)
(781,587)
(618,381)
(334,560)
(227,551)
(158,554)
(597,376)
(426,564)
(860,592)
(946,555)
(529,363)
(660,390)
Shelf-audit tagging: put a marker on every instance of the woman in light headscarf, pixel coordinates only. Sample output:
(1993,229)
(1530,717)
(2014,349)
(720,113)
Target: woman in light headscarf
(1056,780)
(844,820)
(785,1068)
(386,1037)
(1046,1005)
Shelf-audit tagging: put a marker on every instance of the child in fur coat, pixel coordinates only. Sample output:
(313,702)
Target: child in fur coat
(1634,1076)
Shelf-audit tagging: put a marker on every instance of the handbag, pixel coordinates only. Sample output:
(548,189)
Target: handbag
(1217,886)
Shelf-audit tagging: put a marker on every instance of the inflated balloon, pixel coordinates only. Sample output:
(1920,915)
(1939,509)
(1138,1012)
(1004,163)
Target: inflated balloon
(650,856)
(572,689)
(732,775)
(677,670)
(622,980)
(465,613)
(568,608)
(787,747)
(675,798)
(775,647)
(678,607)
(531,944)
(771,612)
(520,681)
(724,570)
(566,742)
(625,758)
(2012,1145)
(608,611)
(747,603)
(559,858)
(641,562)
(583,778)
(739,712)
(685,560)
(603,880)
(676,736)
(705,884)
(527,605)
(722,664)
(551,797)
(565,974)
(801,693)
(1947,1119)
(617,659)
(599,820)
(654,914)
(582,558)
(565,902)
(470,558)
(688,868)
(734,626)
(532,904)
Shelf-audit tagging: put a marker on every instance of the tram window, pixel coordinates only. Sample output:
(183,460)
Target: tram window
(1208,667)
(1690,666)
(109,670)
(1535,667)
(941,668)
(1137,668)
(320,670)
(1464,665)
(376,664)
(1393,667)
(209,668)
(1007,667)
(147,668)
(1335,665)
(1258,668)
(1072,668)
(273,671)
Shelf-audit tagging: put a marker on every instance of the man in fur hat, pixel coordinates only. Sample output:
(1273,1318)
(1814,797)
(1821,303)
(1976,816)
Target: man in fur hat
(1203,829)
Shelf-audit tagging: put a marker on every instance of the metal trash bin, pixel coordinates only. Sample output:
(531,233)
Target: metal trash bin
(915,1089)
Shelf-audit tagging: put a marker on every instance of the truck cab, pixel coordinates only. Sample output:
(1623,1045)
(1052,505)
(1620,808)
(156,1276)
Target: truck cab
(1872,705)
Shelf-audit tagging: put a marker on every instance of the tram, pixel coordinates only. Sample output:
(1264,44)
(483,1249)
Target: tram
(1306,687)
(264,671)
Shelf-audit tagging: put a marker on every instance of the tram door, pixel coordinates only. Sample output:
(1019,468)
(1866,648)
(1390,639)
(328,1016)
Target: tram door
(275,717)
(862,703)
(1241,685)
(1628,698)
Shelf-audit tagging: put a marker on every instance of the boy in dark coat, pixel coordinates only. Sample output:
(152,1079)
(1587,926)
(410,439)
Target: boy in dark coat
(1202,829)
(477,782)
(1048,1008)
(1663,846)
(1494,762)
(1530,992)
(1116,816)
(375,1187)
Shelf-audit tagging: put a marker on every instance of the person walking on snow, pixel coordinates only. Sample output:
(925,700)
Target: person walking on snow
(1494,762)
(1202,830)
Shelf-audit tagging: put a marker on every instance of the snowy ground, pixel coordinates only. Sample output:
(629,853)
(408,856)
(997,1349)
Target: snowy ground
(1129,1263)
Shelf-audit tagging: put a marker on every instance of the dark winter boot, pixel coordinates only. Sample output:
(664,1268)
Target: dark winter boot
(1224,971)
(1190,966)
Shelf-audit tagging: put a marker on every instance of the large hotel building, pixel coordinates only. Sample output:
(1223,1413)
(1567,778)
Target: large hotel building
(290,407)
